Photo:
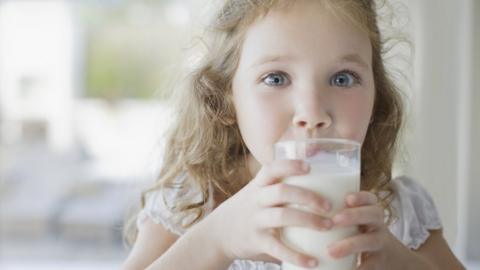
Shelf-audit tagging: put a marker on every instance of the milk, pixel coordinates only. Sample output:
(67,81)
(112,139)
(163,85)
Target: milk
(333,183)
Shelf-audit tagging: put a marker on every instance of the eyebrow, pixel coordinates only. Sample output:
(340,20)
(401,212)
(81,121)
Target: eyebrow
(270,59)
(352,58)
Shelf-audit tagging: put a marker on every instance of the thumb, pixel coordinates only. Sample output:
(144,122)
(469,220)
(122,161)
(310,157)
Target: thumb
(275,171)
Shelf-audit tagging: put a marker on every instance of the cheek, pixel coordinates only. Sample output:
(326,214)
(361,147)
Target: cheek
(261,123)
(354,117)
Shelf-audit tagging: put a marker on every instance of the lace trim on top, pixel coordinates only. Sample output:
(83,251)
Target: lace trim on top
(417,214)
(160,213)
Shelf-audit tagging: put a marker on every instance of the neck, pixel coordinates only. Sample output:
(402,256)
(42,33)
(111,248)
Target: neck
(253,165)
(244,177)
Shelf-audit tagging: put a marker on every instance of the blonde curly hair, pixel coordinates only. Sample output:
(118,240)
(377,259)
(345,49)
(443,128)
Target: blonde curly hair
(205,142)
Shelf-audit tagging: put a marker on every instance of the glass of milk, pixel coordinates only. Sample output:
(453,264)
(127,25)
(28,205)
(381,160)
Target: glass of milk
(335,172)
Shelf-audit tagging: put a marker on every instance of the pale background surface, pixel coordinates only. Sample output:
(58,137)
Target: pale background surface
(444,152)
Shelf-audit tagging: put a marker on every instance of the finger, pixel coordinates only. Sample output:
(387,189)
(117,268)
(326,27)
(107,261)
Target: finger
(281,193)
(369,242)
(278,217)
(372,215)
(360,199)
(273,172)
(277,249)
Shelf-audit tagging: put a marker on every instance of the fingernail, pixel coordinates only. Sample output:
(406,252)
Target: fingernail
(312,263)
(351,199)
(338,218)
(333,251)
(305,167)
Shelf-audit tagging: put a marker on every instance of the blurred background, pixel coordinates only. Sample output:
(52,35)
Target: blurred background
(84,89)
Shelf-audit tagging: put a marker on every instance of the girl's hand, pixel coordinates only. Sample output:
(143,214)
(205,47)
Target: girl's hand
(378,247)
(246,225)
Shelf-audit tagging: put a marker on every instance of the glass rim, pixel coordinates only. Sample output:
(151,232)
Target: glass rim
(321,140)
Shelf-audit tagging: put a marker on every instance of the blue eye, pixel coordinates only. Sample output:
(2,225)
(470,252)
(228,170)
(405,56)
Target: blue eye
(275,79)
(345,79)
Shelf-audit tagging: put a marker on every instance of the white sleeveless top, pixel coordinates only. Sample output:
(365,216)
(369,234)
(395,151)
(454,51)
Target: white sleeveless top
(414,208)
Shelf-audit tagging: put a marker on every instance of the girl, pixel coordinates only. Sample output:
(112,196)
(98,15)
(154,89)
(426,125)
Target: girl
(276,69)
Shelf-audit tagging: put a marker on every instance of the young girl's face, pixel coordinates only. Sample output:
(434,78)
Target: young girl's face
(303,73)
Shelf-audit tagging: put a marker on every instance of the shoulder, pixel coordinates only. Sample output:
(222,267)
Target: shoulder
(151,242)
(415,210)
(160,205)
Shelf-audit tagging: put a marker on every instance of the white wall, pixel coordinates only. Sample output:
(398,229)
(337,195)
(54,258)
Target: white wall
(441,150)
(433,151)
(473,213)
(36,69)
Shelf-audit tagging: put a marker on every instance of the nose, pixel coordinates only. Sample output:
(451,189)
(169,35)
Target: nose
(312,115)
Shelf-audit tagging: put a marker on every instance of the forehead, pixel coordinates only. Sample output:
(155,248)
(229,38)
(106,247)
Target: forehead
(304,30)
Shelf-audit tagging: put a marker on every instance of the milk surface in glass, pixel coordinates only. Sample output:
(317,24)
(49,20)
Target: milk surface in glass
(332,175)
